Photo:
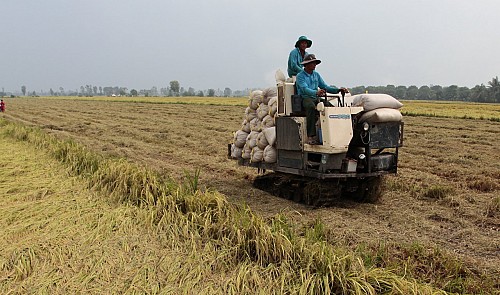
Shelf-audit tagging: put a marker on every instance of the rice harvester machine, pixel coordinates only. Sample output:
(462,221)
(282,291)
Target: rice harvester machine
(359,139)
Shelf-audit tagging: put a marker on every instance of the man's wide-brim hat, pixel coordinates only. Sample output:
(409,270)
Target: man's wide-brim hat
(309,58)
(303,38)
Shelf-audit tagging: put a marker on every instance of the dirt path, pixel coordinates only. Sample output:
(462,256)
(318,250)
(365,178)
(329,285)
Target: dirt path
(443,195)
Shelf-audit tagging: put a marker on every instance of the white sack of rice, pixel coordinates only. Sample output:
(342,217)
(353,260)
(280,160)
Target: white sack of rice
(267,122)
(252,139)
(375,101)
(245,126)
(255,99)
(236,151)
(381,115)
(262,111)
(269,93)
(246,153)
(240,138)
(273,105)
(270,154)
(270,134)
(250,114)
(262,141)
(279,77)
(257,155)
(256,125)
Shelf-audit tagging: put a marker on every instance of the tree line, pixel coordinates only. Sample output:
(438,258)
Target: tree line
(489,93)
(480,93)
(174,89)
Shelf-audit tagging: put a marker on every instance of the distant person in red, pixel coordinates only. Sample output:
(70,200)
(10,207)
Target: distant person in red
(2,106)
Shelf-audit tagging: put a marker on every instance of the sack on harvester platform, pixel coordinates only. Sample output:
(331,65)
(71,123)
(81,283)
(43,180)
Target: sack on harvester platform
(273,106)
(270,134)
(269,93)
(256,125)
(262,111)
(375,101)
(257,155)
(236,151)
(381,115)
(240,138)
(250,114)
(245,126)
(270,154)
(252,139)
(246,152)
(255,99)
(267,122)
(262,141)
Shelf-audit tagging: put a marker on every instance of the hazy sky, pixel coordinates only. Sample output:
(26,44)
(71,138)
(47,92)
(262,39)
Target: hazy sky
(241,43)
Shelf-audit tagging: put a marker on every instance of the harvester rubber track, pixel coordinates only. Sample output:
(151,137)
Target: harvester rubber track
(317,192)
(309,191)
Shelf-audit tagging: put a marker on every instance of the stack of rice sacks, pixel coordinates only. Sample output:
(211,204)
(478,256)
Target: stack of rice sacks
(256,138)
(378,108)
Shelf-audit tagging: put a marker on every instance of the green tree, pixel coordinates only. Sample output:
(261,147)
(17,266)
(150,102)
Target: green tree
(437,92)
(211,92)
(400,92)
(390,89)
(23,90)
(411,92)
(357,90)
(200,93)
(450,92)
(464,93)
(494,83)
(133,92)
(479,93)
(175,87)
(424,92)
(494,89)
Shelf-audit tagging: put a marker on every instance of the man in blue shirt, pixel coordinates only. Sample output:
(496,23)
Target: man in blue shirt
(297,56)
(311,86)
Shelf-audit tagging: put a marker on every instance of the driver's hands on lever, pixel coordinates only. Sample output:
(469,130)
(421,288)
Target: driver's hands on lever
(321,92)
(344,90)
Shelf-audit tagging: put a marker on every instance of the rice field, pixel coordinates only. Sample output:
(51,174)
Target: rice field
(438,221)
(449,109)
(446,109)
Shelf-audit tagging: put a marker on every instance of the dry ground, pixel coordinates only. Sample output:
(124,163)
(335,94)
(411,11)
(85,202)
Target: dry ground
(446,192)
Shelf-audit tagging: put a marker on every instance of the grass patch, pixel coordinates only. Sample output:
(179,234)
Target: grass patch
(493,208)
(483,184)
(437,192)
